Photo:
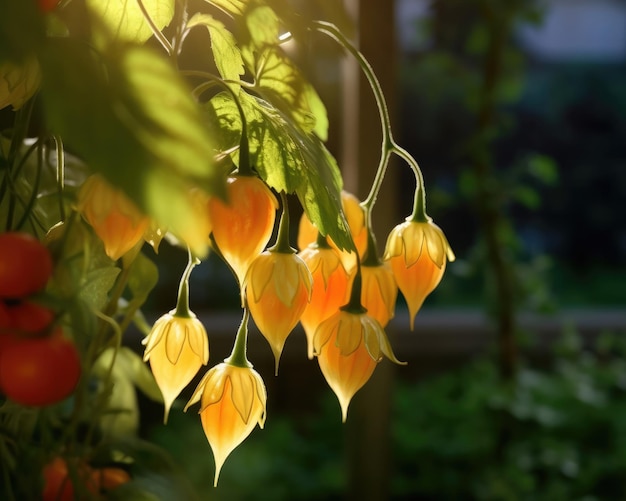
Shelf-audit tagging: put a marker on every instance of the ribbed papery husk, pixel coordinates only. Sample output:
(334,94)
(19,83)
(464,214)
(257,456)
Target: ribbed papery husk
(114,217)
(176,347)
(355,217)
(330,289)
(379,292)
(244,225)
(343,357)
(278,289)
(195,231)
(232,402)
(416,281)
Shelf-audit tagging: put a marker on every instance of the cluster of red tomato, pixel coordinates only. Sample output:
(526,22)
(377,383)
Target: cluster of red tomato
(39,366)
(58,484)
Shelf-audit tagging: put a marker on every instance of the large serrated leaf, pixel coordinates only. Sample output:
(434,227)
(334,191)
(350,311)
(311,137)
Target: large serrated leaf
(123,20)
(130,116)
(226,53)
(288,159)
(279,81)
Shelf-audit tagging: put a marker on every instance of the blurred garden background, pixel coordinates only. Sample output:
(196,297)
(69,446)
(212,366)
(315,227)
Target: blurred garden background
(515,387)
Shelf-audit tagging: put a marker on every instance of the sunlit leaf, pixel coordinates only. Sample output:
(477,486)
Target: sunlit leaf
(124,20)
(97,285)
(226,53)
(131,117)
(236,7)
(263,26)
(279,81)
(288,159)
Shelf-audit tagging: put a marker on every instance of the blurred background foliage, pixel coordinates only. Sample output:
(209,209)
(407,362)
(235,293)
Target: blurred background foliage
(527,151)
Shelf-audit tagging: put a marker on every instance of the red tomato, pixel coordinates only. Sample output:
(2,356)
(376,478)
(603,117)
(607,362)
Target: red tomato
(39,371)
(29,318)
(58,484)
(5,318)
(25,265)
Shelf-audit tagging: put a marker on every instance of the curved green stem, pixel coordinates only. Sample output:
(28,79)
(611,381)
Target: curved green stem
(60,173)
(244,168)
(354,304)
(238,356)
(389,144)
(182,303)
(282,237)
(157,33)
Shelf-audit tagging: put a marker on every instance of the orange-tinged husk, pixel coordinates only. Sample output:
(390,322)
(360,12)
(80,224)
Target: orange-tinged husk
(348,346)
(330,289)
(379,292)
(232,402)
(114,217)
(417,254)
(278,289)
(18,83)
(307,232)
(243,226)
(176,347)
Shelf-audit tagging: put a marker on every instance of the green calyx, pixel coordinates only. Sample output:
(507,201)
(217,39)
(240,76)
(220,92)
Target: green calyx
(238,356)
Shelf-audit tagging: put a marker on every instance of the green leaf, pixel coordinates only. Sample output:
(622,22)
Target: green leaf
(226,53)
(280,82)
(123,19)
(543,168)
(236,7)
(97,285)
(263,26)
(143,276)
(130,116)
(288,159)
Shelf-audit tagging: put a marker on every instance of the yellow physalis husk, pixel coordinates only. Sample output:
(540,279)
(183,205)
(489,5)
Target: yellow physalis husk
(379,292)
(330,289)
(18,83)
(278,289)
(176,347)
(417,254)
(243,226)
(195,231)
(114,217)
(232,401)
(348,346)
(307,232)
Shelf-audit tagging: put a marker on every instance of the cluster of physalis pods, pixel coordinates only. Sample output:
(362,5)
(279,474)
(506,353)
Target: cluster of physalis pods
(214,174)
(343,299)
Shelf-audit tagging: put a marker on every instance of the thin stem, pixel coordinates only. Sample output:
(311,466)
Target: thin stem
(157,33)
(282,237)
(35,189)
(354,304)
(60,173)
(389,144)
(182,304)
(244,168)
(238,356)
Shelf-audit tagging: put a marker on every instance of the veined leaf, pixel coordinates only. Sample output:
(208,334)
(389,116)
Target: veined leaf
(131,117)
(236,7)
(288,159)
(125,21)
(280,82)
(226,53)
(263,26)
